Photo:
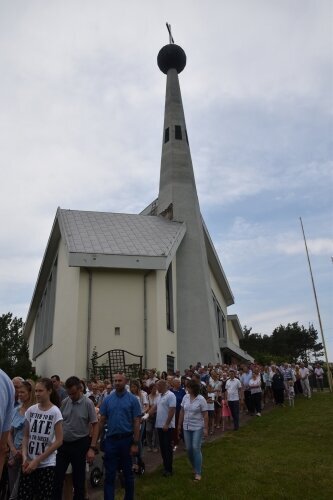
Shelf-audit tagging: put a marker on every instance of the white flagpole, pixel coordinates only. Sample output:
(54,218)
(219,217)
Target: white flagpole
(329,375)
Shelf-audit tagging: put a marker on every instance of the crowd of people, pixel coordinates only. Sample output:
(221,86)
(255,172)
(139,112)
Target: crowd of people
(49,429)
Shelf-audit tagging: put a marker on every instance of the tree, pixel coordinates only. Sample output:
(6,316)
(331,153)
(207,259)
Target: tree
(254,342)
(287,343)
(295,342)
(14,353)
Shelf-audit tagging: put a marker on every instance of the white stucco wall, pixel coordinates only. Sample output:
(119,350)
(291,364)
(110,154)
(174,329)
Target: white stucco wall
(232,335)
(117,301)
(82,325)
(166,340)
(218,293)
(60,357)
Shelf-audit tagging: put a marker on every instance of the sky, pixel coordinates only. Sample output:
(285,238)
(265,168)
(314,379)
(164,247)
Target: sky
(81,123)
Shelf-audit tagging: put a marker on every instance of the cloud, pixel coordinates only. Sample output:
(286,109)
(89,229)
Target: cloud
(19,270)
(266,321)
(275,315)
(82,116)
(319,246)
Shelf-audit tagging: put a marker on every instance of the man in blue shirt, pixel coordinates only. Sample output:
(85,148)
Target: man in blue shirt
(179,392)
(121,412)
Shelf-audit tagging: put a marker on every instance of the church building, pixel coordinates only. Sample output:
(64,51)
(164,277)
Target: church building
(150,283)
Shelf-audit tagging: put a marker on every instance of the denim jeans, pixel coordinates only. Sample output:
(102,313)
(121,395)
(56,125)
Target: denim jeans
(117,455)
(193,441)
(234,408)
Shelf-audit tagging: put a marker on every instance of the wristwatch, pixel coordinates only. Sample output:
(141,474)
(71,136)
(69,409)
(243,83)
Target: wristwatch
(94,448)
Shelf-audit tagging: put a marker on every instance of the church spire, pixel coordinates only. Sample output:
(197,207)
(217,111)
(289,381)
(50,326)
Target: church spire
(197,336)
(176,163)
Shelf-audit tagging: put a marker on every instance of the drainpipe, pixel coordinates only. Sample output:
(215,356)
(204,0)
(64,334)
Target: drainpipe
(89,322)
(145,329)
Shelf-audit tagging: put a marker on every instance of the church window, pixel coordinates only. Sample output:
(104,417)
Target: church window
(220,319)
(166,135)
(170,363)
(178,132)
(169,299)
(45,315)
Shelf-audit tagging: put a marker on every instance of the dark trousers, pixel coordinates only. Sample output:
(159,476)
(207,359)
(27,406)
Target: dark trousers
(175,430)
(74,453)
(234,408)
(117,456)
(256,401)
(278,396)
(248,401)
(165,439)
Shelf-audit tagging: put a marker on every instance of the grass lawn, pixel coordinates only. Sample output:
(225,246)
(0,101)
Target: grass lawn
(287,453)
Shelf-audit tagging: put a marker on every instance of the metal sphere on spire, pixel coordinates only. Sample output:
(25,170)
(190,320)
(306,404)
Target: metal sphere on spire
(171,56)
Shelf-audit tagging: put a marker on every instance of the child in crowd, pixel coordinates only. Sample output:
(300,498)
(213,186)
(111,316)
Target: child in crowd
(291,393)
(226,413)
(211,409)
(41,438)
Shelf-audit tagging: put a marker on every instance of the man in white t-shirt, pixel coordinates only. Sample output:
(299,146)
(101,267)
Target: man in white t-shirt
(165,409)
(233,388)
(305,383)
(152,379)
(319,374)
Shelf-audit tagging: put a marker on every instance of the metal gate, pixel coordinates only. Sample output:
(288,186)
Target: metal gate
(116,361)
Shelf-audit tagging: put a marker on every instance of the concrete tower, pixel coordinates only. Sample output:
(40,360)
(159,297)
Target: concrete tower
(197,332)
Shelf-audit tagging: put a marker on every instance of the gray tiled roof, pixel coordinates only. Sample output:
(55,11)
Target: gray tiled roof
(118,234)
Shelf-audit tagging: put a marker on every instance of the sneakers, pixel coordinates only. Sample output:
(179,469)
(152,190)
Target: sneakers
(258,414)
(155,450)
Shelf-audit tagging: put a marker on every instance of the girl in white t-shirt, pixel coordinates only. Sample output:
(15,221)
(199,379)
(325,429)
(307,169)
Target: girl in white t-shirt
(211,408)
(42,436)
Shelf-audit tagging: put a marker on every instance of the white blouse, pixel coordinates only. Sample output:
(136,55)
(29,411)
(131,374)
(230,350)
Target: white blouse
(193,417)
